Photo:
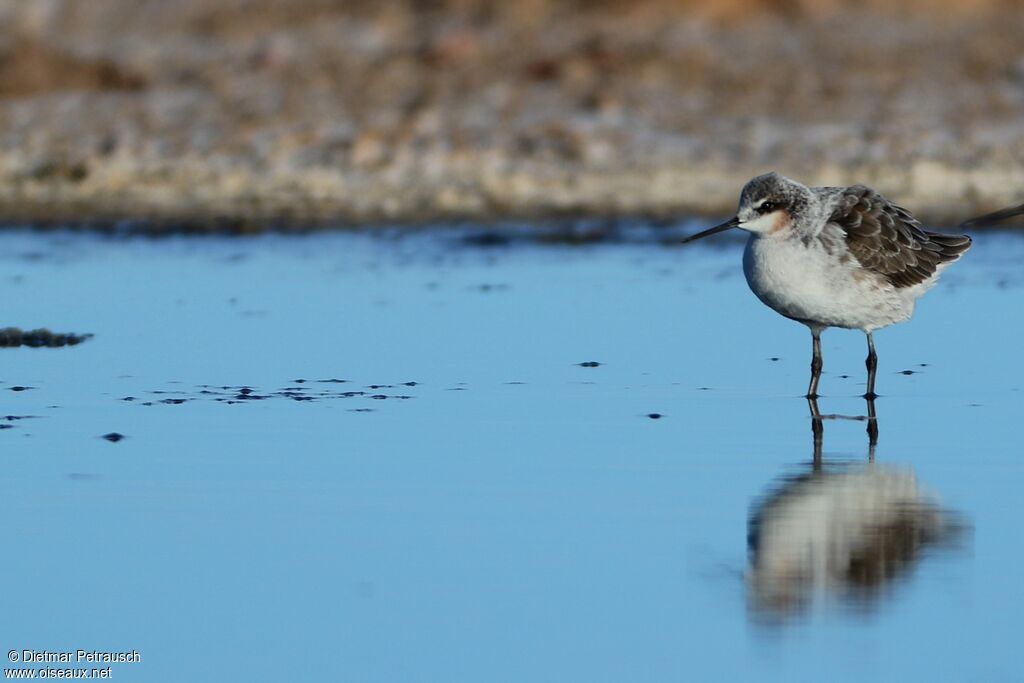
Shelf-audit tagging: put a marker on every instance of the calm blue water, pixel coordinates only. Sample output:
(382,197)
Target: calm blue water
(520,517)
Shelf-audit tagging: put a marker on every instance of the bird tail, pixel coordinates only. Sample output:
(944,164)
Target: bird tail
(13,336)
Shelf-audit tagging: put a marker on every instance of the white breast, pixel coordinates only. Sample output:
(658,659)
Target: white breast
(807,283)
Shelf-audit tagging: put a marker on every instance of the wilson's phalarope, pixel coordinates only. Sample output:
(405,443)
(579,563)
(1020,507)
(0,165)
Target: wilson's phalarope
(994,217)
(836,257)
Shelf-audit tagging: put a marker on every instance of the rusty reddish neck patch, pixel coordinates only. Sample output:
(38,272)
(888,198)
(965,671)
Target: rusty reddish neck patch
(783,220)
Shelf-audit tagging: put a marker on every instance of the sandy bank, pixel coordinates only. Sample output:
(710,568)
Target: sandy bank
(259,111)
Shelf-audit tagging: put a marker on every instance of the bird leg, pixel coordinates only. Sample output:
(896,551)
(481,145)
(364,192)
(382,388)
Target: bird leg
(872,365)
(816,364)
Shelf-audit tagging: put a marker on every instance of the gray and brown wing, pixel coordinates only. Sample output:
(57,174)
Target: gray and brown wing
(886,239)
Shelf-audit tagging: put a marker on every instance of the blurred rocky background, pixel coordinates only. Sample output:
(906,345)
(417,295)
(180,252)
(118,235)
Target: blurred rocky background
(248,113)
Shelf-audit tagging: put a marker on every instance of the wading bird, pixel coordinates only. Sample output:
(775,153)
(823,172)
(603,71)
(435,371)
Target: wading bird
(836,257)
(994,217)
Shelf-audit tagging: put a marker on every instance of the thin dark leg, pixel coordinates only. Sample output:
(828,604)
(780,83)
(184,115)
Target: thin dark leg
(872,430)
(818,430)
(816,363)
(872,364)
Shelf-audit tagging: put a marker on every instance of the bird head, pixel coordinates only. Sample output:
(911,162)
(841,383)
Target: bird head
(768,205)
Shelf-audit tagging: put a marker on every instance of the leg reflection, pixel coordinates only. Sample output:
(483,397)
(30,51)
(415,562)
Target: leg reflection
(818,428)
(872,429)
(817,432)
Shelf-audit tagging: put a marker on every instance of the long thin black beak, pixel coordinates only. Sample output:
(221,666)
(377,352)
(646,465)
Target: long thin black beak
(728,225)
(993,217)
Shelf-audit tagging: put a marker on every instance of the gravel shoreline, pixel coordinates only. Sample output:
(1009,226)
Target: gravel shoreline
(250,113)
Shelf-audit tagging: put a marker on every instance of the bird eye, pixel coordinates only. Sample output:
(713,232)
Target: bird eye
(768,207)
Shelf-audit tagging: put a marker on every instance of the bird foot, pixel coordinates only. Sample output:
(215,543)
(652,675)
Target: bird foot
(870,396)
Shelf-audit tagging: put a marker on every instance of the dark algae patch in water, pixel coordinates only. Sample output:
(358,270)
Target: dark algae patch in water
(13,336)
(7,421)
(232,395)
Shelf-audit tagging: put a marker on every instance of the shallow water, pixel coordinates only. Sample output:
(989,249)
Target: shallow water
(520,516)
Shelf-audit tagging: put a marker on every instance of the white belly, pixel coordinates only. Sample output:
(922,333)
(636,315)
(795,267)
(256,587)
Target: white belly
(806,283)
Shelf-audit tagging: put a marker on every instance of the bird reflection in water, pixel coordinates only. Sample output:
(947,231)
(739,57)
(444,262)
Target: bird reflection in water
(840,532)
